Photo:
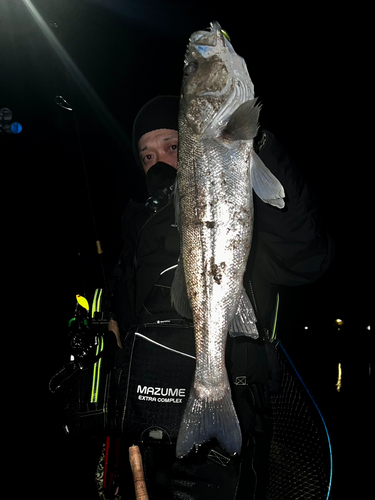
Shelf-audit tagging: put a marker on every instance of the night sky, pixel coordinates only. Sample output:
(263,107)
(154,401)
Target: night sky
(106,58)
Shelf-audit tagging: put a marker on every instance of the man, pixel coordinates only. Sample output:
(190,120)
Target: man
(289,248)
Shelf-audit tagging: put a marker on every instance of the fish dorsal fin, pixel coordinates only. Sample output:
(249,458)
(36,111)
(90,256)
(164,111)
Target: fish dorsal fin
(244,123)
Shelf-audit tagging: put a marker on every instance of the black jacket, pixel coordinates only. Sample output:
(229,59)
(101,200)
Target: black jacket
(289,247)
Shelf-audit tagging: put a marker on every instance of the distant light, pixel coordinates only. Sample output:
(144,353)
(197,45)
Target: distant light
(306,327)
(6,116)
(339,322)
(16,128)
(339,378)
(368,327)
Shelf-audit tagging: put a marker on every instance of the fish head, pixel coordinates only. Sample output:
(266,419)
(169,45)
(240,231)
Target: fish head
(215,82)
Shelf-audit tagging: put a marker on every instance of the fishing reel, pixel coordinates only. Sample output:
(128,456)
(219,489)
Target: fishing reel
(81,338)
(87,329)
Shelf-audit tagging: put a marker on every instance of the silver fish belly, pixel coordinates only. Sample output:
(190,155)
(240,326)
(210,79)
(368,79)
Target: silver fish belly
(215,213)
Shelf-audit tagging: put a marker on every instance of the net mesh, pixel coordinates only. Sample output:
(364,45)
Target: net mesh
(300,459)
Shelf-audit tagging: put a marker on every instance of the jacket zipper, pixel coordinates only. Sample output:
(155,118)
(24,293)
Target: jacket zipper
(142,229)
(253,301)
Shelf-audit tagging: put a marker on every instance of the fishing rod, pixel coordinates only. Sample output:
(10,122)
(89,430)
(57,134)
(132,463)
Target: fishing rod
(69,68)
(64,104)
(135,457)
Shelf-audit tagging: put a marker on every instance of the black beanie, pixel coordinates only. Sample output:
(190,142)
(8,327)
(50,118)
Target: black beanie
(160,112)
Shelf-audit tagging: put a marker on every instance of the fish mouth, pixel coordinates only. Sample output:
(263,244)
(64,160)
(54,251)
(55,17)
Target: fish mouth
(202,44)
(207,38)
(215,79)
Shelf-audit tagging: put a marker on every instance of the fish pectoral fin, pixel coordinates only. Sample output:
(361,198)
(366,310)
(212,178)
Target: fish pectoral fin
(205,419)
(244,122)
(244,321)
(179,298)
(265,184)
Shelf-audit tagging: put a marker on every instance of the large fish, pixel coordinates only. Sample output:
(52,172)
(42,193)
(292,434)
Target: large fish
(217,172)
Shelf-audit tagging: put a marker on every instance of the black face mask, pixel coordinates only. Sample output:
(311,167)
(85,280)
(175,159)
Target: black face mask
(160,180)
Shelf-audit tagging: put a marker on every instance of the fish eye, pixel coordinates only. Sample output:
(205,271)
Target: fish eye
(190,68)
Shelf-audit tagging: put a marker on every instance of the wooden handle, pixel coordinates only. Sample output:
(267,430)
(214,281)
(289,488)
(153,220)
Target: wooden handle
(136,465)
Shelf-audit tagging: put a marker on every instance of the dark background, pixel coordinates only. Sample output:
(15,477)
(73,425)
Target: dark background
(106,58)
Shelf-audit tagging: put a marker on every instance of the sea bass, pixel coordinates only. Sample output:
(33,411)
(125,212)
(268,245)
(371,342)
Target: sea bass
(217,172)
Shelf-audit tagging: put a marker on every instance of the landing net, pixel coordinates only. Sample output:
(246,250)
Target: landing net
(301,455)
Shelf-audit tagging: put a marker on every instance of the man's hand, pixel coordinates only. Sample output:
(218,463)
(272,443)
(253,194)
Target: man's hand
(113,327)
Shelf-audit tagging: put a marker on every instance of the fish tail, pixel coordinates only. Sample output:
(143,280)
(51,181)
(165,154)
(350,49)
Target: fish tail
(205,419)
